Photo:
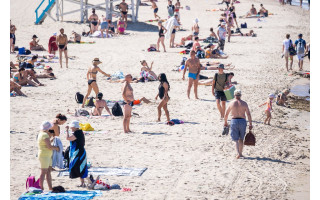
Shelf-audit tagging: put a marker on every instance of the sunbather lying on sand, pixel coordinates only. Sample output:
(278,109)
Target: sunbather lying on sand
(183,40)
(251,33)
(76,38)
(46,73)
(211,52)
(214,66)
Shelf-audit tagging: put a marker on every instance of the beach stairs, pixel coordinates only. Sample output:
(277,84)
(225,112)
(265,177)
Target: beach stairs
(40,18)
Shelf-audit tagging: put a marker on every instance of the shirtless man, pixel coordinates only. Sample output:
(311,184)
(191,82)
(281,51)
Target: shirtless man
(62,41)
(127,94)
(193,64)
(155,9)
(76,38)
(124,10)
(238,124)
(252,12)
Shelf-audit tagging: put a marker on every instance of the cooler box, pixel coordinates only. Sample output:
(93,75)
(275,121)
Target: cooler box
(230,92)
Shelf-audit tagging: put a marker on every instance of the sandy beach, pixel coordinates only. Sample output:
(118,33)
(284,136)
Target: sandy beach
(186,161)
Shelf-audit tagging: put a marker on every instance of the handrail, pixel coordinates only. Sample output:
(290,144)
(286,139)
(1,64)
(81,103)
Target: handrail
(49,4)
(36,11)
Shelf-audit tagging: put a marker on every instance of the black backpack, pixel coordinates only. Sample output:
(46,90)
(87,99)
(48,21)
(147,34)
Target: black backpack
(81,112)
(79,97)
(116,110)
(28,52)
(90,103)
(244,25)
(189,46)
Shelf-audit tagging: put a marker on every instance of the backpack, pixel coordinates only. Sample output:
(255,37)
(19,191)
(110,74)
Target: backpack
(66,157)
(81,112)
(79,97)
(90,103)
(216,78)
(116,110)
(31,182)
(244,25)
(300,47)
(292,51)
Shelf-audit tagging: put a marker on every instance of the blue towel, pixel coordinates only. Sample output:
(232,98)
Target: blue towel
(68,195)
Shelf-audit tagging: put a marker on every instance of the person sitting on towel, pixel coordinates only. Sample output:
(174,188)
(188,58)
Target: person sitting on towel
(99,105)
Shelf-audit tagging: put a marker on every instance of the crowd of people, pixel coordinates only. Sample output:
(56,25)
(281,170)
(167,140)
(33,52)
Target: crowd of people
(23,74)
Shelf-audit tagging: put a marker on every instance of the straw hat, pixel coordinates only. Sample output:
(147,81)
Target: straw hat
(46,125)
(96,61)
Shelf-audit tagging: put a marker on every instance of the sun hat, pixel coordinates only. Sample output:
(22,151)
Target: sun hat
(74,124)
(196,20)
(55,34)
(34,36)
(46,125)
(237,93)
(221,66)
(96,61)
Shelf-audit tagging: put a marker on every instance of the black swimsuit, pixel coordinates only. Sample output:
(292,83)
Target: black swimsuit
(161,32)
(95,23)
(91,81)
(161,91)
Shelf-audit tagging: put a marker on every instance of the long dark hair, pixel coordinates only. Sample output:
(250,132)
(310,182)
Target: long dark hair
(61,117)
(163,78)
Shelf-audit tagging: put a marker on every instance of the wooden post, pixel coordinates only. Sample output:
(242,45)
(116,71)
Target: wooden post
(82,11)
(133,18)
(57,9)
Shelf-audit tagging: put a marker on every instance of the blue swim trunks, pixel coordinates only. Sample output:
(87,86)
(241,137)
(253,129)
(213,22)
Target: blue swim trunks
(238,129)
(155,10)
(192,75)
(104,25)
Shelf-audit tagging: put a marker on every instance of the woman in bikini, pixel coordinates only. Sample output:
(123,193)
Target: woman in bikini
(94,21)
(164,88)
(232,11)
(122,26)
(183,40)
(57,122)
(251,33)
(269,108)
(145,68)
(99,105)
(162,31)
(92,79)
(21,77)
(195,28)
(229,26)
(127,94)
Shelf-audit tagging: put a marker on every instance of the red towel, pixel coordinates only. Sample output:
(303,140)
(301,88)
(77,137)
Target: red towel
(52,46)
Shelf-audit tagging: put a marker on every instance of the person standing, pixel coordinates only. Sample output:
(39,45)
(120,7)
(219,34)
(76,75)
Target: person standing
(92,79)
(218,85)
(238,110)
(62,40)
(45,153)
(176,25)
(164,88)
(300,45)
(93,21)
(287,43)
(194,66)
(170,8)
(222,35)
(124,10)
(12,37)
(162,32)
(52,45)
(127,94)
(195,27)
(155,9)
(77,156)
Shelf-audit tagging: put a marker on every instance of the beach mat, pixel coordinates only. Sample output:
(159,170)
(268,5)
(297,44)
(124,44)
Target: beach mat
(68,195)
(110,171)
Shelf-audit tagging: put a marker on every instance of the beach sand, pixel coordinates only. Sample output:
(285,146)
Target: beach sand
(188,161)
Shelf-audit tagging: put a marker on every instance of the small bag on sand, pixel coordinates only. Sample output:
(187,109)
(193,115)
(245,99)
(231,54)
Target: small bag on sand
(250,139)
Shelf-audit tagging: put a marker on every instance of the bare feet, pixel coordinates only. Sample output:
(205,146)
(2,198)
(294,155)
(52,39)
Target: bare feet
(239,156)
(158,120)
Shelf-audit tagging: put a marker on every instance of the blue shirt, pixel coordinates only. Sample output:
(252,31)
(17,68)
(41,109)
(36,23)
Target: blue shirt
(298,40)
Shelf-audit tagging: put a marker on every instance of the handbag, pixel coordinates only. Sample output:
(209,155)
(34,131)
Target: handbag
(250,139)
(291,49)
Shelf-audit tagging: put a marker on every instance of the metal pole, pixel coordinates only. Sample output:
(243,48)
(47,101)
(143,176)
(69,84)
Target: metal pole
(57,10)
(137,9)
(81,12)
(86,12)
(62,10)
(111,9)
(132,14)
(107,9)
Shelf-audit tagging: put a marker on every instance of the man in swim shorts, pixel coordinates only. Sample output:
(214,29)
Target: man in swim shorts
(193,63)
(218,85)
(155,9)
(62,41)
(124,10)
(238,109)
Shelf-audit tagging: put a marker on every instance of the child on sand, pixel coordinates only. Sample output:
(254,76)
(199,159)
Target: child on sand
(269,108)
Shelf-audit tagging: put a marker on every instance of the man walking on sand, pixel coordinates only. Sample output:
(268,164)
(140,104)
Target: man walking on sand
(287,43)
(218,85)
(222,32)
(194,66)
(300,45)
(238,124)
(62,41)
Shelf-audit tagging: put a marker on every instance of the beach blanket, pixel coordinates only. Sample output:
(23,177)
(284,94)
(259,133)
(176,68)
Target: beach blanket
(155,20)
(110,171)
(82,42)
(68,195)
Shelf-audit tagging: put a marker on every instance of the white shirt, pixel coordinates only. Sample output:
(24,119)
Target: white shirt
(222,33)
(286,44)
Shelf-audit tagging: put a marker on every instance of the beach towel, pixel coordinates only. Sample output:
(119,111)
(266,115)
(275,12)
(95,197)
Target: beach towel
(82,42)
(68,195)
(117,75)
(52,46)
(110,171)
(169,25)
(97,34)
(57,157)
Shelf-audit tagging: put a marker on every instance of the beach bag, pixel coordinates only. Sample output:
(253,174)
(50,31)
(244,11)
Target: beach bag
(152,49)
(187,7)
(300,47)
(22,51)
(86,127)
(90,103)
(79,97)
(238,30)
(31,182)
(291,49)
(177,121)
(244,25)
(81,112)
(116,110)
(250,140)
(28,52)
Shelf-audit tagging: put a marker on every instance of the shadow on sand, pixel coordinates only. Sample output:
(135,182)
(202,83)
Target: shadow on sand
(142,27)
(149,133)
(267,159)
